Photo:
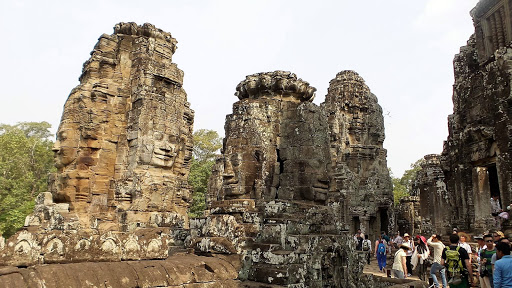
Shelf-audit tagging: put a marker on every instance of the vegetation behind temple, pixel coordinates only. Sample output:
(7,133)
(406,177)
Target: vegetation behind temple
(206,145)
(26,159)
(402,186)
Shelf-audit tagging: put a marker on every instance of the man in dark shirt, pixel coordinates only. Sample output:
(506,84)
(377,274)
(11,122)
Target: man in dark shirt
(463,254)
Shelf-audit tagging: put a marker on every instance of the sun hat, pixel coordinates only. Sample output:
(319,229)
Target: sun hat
(405,246)
(407,235)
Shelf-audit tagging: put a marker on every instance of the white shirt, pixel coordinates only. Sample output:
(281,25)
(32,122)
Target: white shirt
(438,249)
(397,265)
(466,246)
(495,206)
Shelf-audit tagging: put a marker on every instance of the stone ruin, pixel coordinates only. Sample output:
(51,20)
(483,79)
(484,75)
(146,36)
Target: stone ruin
(359,167)
(476,159)
(293,182)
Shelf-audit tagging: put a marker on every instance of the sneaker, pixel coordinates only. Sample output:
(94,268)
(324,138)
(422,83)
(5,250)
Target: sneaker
(409,275)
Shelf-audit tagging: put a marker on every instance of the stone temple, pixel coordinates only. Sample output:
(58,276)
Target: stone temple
(454,189)
(293,182)
(284,198)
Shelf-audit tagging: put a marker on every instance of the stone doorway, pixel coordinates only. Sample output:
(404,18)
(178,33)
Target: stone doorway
(493,181)
(485,185)
(384,220)
(356,224)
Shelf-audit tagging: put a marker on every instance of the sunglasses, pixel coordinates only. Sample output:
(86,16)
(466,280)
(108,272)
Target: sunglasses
(490,241)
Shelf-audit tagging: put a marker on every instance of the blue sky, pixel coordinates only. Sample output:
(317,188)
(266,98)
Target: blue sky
(403,49)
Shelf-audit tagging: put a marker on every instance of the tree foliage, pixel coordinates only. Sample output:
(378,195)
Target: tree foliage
(402,187)
(206,145)
(26,159)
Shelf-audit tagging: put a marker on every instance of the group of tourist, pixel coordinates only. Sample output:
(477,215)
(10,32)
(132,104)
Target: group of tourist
(452,263)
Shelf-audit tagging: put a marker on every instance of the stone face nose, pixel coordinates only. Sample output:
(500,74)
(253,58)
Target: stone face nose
(56,147)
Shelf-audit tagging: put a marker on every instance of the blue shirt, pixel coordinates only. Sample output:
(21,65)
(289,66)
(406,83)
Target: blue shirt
(503,272)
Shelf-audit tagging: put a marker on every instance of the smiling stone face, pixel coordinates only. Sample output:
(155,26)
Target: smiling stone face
(66,146)
(161,149)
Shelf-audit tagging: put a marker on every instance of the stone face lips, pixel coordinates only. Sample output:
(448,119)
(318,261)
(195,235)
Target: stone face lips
(123,152)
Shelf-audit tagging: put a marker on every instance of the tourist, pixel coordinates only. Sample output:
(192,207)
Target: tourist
(367,247)
(420,256)
(435,242)
(381,254)
(398,240)
(358,237)
(385,236)
(481,245)
(410,244)
(495,257)
(496,210)
(485,264)
(463,243)
(497,236)
(399,265)
(503,267)
(464,270)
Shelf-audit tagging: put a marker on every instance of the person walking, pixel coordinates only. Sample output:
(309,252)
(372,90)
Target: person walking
(503,266)
(398,240)
(399,264)
(456,259)
(410,243)
(435,242)
(485,273)
(367,247)
(420,256)
(381,254)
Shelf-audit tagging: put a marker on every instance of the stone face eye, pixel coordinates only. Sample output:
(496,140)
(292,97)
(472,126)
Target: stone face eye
(158,136)
(63,136)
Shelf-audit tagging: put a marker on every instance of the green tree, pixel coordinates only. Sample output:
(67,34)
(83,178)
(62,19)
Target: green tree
(206,145)
(402,186)
(26,159)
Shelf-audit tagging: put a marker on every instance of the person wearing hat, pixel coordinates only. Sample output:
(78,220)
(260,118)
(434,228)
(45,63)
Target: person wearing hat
(410,244)
(481,245)
(399,265)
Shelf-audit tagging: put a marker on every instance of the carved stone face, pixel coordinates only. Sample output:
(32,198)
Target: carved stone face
(66,147)
(160,149)
(240,174)
(165,150)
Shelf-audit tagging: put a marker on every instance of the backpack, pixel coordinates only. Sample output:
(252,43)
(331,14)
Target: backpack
(453,261)
(381,249)
(366,245)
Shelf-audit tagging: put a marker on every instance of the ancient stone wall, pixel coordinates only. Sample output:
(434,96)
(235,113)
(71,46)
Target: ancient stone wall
(430,187)
(359,166)
(476,157)
(272,198)
(122,154)
(280,198)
